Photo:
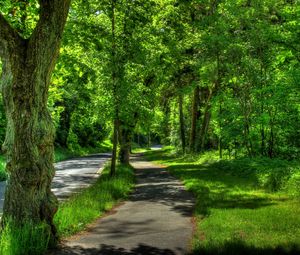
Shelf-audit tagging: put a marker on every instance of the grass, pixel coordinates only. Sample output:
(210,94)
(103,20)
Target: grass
(73,215)
(86,206)
(28,239)
(244,206)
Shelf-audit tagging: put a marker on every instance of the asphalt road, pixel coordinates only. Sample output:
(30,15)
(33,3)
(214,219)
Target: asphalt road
(71,175)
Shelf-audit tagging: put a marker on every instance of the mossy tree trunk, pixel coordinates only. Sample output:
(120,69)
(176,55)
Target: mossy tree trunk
(181,122)
(27,68)
(115,81)
(125,144)
(125,138)
(195,118)
(205,122)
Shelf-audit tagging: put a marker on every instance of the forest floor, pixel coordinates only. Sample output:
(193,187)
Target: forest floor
(71,175)
(156,219)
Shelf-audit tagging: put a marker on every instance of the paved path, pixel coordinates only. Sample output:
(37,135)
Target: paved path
(155,221)
(71,175)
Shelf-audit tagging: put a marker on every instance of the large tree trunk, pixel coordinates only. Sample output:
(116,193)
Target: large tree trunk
(195,117)
(27,68)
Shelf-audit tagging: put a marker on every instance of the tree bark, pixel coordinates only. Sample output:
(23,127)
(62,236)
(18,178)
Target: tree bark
(271,140)
(195,117)
(115,146)
(149,139)
(27,68)
(204,127)
(220,145)
(205,122)
(64,126)
(115,92)
(181,122)
(125,144)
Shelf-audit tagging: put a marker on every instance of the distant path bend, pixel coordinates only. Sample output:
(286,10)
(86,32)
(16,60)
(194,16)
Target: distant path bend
(156,220)
(71,175)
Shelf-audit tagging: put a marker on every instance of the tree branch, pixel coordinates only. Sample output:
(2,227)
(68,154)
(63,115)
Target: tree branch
(9,37)
(53,16)
(53,13)
(6,31)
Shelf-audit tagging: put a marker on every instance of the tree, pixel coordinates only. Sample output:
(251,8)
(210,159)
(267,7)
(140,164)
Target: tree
(28,62)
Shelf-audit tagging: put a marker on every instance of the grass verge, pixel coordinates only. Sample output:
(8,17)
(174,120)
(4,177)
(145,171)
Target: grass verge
(245,206)
(86,206)
(73,215)
(28,239)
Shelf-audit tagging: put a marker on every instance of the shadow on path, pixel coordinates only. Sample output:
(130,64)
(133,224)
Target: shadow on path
(141,249)
(156,219)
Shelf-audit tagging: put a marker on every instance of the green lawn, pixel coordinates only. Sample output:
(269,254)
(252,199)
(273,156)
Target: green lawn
(245,206)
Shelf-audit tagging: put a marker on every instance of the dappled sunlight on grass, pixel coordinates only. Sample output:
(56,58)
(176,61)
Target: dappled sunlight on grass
(237,210)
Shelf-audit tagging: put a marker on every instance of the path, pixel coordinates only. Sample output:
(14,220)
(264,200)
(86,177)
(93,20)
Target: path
(156,220)
(71,175)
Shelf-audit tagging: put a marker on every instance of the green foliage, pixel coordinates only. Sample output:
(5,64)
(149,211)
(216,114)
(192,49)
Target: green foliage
(86,206)
(166,49)
(244,59)
(3,174)
(28,239)
(64,154)
(22,15)
(237,210)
